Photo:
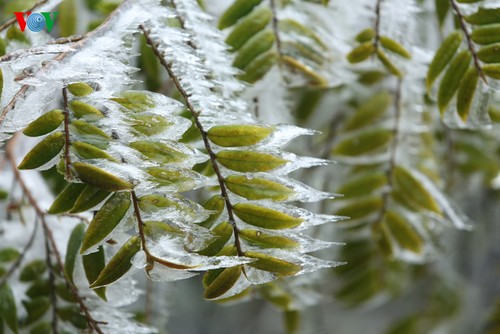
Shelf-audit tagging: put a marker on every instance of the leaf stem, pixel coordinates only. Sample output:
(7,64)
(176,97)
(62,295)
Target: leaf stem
(470,43)
(206,142)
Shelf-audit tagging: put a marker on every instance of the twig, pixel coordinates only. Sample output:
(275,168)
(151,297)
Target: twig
(206,142)
(67,141)
(94,324)
(376,40)
(52,284)
(275,23)
(13,20)
(470,44)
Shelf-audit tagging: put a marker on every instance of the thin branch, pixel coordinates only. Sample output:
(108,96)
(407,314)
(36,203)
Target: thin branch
(275,23)
(94,324)
(52,284)
(376,40)
(206,142)
(13,20)
(470,43)
(67,142)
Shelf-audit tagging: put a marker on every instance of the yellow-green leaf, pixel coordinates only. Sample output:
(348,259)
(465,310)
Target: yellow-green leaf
(466,91)
(44,124)
(488,34)
(413,190)
(370,141)
(248,161)
(490,54)
(93,265)
(135,101)
(266,240)
(8,310)
(238,135)
(82,109)
(80,89)
(264,217)
(152,203)
(361,52)
(492,70)
(315,78)
(119,264)
(361,208)
(44,151)
(72,250)
(297,28)
(442,9)
(484,16)
(256,188)
(443,56)
(90,133)
(451,80)
(66,199)
(366,35)
(222,281)
(88,151)
(403,232)
(223,232)
(370,111)
(155,230)
(388,64)
(257,45)
(362,185)
(106,219)
(248,27)
(88,198)
(237,10)
(68,18)
(216,205)
(159,152)
(149,125)
(268,263)
(99,178)
(394,46)
(259,67)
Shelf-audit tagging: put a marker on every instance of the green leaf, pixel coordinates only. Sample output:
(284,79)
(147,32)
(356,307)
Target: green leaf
(442,9)
(93,265)
(268,263)
(362,185)
(39,288)
(90,133)
(159,152)
(119,264)
(370,141)
(3,47)
(68,19)
(388,64)
(361,208)
(413,190)
(248,161)
(365,36)
(66,199)
(259,66)
(88,151)
(88,198)
(370,111)
(106,219)
(264,217)
(223,232)
(256,188)
(395,47)
(451,80)
(44,124)
(74,244)
(292,321)
(8,310)
(80,89)
(266,240)
(490,54)
(492,70)
(443,56)
(237,10)
(488,34)
(248,27)
(36,308)
(41,328)
(292,26)
(99,178)
(221,282)
(155,230)
(1,83)
(361,52)
(466,91)
(8,254)
(257,45)
(135,101)
(72,315)
(81,109)
(149,125)
(238,135)
(153,203)
(403,232)
(215,204)
(44,151)
(33,270)
(180,179)
(484,16)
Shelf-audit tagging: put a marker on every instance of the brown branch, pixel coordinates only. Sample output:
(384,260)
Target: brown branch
(470,43)
(376,40)
(206,142)
(94,324)
(13,20)
(52,284)
(67,141)
(275,24)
